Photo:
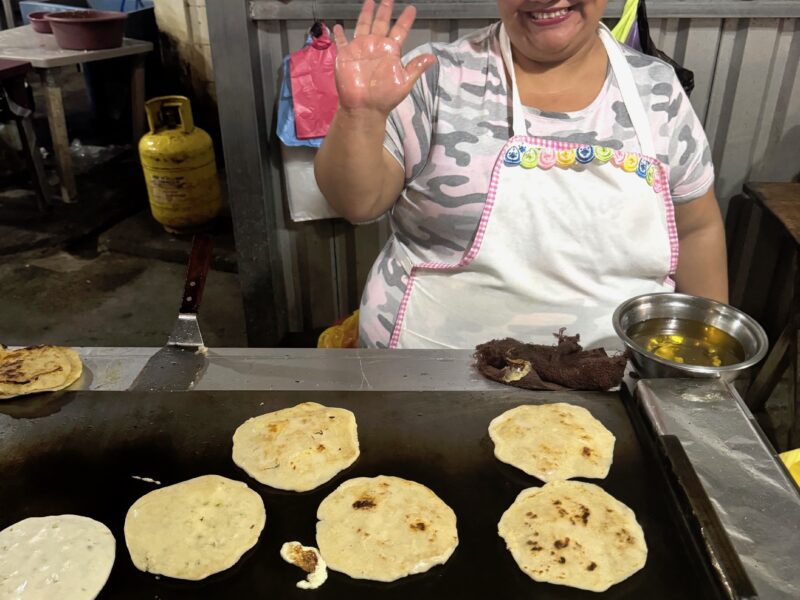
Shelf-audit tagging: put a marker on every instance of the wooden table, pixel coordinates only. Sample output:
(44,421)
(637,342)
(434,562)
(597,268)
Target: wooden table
(763,228)
(41,50)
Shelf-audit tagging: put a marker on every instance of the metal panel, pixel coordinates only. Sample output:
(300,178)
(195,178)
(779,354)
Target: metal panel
(272,47)
(244,125)
(747,93)
(700,55)
(751,70)
(464,26)
(668,36)
(487,9)
(775,155)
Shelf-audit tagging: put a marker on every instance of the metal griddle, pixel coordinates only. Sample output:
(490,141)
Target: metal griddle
(81,459)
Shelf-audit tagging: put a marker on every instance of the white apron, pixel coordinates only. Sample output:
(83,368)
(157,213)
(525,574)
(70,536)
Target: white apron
(568,232)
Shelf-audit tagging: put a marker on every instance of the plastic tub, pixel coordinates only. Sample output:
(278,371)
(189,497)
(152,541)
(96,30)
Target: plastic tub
(39,23)
(88,29)
(26,7)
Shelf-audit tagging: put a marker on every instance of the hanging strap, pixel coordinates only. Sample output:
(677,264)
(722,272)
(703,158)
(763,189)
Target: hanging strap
(626,22)
(622,73)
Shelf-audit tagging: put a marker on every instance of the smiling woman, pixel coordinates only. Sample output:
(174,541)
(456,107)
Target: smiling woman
(551,32)
(536,174)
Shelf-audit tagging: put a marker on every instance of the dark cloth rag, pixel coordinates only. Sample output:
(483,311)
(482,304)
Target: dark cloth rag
(565,366)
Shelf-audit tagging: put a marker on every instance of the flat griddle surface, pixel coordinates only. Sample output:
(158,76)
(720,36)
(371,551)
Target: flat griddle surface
(81,458)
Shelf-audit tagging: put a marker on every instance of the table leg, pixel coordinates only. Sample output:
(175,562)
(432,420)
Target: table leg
(773,368)
(137,101)
(794,398)
(56,118)
(9,12)
(34,159)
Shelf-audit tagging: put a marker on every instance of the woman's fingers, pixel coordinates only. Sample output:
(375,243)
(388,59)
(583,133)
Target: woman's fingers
(339,37)
(403,25)
(382,18)
(364,23)
(416,67)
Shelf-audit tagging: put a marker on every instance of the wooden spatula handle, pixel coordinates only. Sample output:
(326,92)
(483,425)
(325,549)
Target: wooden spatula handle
(196,274)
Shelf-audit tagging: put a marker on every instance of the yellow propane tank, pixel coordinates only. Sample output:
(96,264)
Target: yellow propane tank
(179,166)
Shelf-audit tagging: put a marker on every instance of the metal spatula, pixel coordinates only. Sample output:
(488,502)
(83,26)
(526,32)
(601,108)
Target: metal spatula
(177,365)
(186,333)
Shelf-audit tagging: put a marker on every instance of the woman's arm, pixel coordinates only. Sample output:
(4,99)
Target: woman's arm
(358,177)
(703,262)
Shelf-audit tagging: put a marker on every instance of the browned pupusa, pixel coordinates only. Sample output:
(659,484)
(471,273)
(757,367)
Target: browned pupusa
(575,534)
(553,441)
(384,528)
(297,448)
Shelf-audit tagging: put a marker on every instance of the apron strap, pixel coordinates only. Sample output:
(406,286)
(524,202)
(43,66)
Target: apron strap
(518,114)
(629,91)
(622,73)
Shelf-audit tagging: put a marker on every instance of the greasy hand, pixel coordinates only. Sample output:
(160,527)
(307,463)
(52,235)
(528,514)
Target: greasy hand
(369,72)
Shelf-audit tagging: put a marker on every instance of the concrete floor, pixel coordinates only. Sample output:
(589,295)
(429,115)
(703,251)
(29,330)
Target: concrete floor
(56,288)
(108,299)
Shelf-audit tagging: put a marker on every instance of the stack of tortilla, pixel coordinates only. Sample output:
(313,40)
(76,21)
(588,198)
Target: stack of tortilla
(37,369)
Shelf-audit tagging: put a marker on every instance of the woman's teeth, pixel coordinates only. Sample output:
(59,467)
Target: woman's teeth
(549,15)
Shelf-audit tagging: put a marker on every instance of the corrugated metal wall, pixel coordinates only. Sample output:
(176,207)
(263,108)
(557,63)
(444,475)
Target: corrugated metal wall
(747,74)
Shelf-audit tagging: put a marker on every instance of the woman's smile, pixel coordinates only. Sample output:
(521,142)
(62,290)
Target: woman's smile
(551,31)
(549,17)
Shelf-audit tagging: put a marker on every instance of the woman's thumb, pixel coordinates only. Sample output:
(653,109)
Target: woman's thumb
(417,66)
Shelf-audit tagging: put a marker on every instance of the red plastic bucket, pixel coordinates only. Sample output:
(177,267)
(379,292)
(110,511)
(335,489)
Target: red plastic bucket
(88,29)
(39,22)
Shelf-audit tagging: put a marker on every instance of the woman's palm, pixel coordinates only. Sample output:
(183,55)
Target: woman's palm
(369,71)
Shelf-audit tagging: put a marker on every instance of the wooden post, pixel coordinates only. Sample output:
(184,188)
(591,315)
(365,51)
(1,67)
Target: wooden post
(56,118)
(9,13)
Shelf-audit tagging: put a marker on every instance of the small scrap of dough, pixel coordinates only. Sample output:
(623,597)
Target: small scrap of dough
(37,369)
(146,479)
(553,441)
(575,534)
(68,557)
(309,559)
(297,448)
(384,528)
(195,528)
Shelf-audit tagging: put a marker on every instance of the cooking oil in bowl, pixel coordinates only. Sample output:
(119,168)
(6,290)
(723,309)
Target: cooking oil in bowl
(685,341)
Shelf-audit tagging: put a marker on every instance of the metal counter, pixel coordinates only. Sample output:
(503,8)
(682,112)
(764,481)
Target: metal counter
(755,498)
(757,502)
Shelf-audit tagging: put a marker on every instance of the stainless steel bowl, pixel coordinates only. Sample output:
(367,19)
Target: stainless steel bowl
(734,322)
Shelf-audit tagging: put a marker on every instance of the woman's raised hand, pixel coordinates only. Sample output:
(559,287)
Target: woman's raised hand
(370,74)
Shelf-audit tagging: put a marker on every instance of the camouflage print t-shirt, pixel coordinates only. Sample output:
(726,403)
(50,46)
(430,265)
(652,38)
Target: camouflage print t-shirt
(448,132)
